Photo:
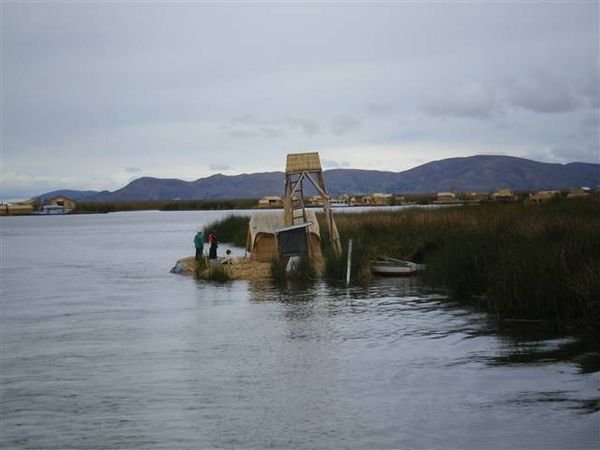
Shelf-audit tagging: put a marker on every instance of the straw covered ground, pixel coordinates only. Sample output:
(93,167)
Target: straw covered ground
(239,269)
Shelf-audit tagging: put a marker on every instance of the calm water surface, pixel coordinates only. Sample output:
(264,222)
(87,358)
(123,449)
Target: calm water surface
(101,347)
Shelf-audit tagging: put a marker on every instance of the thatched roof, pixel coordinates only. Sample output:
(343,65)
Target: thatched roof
(268,223)
(303,162)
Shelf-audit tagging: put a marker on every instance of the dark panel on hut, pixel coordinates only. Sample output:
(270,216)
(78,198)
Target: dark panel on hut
(292,241)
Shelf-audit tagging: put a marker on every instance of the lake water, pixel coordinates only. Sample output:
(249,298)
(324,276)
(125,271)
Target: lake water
(103,348)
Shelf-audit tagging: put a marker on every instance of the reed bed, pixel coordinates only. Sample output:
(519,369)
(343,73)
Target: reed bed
(518,261)
(84,207)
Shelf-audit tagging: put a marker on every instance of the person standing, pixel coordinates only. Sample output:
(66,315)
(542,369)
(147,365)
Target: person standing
(199,244)
(212,240)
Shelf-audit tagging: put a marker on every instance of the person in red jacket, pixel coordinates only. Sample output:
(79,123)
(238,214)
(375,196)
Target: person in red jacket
(212,240)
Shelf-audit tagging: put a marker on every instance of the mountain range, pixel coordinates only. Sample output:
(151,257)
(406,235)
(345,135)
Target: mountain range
(482,173)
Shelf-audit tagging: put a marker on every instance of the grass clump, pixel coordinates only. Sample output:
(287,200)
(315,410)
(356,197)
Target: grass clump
(232,229)
(336,266)
(219,272)
(201,266)
(212,271)
(300,269)
(278,269)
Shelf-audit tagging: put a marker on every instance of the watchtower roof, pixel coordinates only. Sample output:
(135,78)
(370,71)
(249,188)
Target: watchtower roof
(303,162)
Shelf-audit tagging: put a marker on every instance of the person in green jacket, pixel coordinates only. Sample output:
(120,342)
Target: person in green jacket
(199,244)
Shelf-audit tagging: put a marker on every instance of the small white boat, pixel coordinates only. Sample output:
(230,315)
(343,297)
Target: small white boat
(395,267)
(51,210)
(338,204)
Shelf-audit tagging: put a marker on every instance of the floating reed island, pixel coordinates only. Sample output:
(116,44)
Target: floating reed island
(514,260)
(258,235)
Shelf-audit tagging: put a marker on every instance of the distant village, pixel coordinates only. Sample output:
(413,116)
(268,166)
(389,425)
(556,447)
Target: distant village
(441,198)
(64,205)
(55,205)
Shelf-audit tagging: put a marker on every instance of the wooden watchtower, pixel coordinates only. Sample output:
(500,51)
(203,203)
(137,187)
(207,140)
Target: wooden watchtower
(301,167)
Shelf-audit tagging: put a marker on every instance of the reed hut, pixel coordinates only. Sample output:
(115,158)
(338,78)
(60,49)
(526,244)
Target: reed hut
(578,193)
(61,200)
(400,199)
(446,198)
(270,201)
(475,197)
(315,201)
(382,199)
(261,241)
(504,195)
(542,196)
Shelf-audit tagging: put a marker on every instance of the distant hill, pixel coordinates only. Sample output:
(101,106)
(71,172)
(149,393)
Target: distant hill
(481,173)
(70,193)
(488,173)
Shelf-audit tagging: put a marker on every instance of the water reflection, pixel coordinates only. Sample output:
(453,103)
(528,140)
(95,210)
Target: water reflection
(538,343)
(393,310)
(559,399)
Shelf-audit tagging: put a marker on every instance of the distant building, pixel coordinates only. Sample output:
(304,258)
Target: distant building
(377,198)
(314,201)
(504,195)
(578,193)
(351,200)
(542,196)
(272,201)
(476,197)
(446,198)
(399,199)
(63,201)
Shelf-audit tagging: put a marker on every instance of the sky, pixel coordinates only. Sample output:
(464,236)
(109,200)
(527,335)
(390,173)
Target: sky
(98,93)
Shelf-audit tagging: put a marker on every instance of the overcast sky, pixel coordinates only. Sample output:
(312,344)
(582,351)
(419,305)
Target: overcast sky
(95,94)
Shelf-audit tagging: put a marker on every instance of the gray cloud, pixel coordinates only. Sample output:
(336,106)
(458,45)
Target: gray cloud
(576,153)
(543,95)
(132,169)
(330,164)
(471,100)
(589,88)
(307,126)
(381,109)
(219,166)
(591,122)
(242,134)
(248,126)
(344,124)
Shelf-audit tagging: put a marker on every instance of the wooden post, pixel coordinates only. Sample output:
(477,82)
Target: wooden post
(349,261)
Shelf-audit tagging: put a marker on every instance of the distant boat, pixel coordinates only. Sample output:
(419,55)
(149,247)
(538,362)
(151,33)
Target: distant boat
(338,204)
(52,210)
(395,267)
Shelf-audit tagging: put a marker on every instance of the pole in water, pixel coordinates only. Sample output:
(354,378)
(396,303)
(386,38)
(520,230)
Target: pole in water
(349,261)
